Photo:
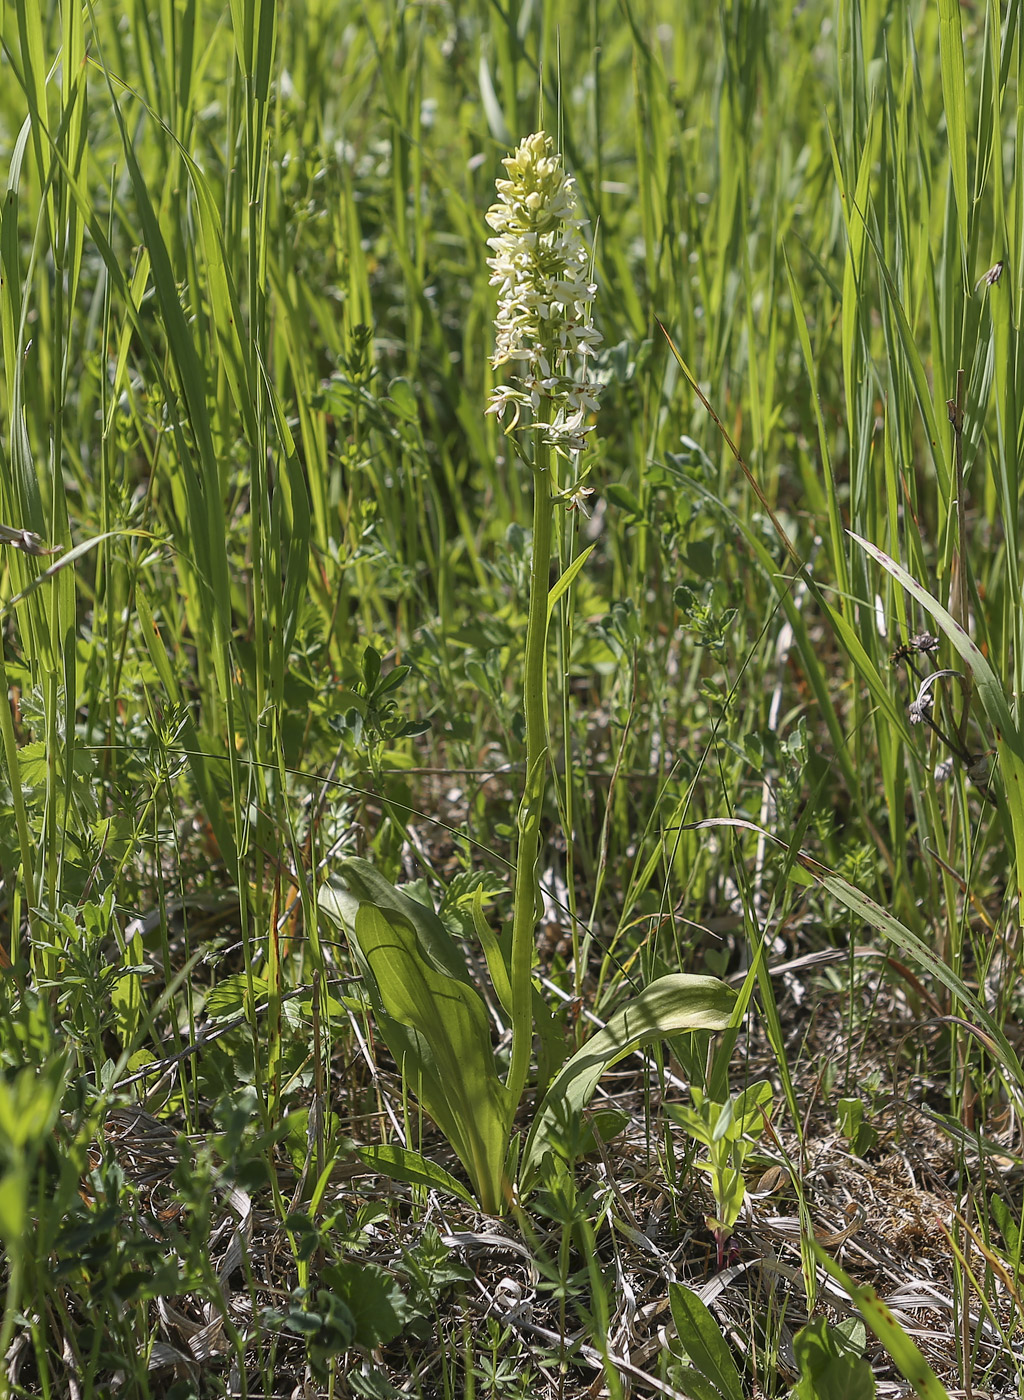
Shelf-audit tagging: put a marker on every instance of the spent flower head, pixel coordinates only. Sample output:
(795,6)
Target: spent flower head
(541,267)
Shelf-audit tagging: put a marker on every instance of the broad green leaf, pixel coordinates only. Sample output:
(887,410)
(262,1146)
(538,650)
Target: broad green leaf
(679,1002)
(702,1340)
(229,996)
(451,1019)
(1007,1221)
(850,1118)
(603,1124)
(624,499)
(372,1296)
(852,1334)
(403,397)
(694,1384)
(436,944)
(401,1164)
(752,1105)
(696,1124)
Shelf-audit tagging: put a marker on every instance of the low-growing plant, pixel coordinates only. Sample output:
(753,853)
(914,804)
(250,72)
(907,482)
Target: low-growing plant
(831,1362)
(729,1131)
(854,1127)
(361,1306)
(887,1329)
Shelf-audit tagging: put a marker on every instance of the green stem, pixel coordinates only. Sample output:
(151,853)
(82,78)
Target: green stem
(28,889)
(527,886)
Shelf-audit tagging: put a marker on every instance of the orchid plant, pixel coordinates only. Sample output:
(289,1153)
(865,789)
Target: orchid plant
(545,331)
(427,1009)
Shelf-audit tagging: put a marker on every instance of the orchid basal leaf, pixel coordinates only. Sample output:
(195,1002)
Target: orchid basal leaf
(447,1059)
(673,1004)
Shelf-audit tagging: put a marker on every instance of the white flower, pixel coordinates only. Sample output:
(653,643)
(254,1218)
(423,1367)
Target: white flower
(499,401)
(540,265)
(566,425)
(578,500)
(540,385)
(542,270)
(582,397)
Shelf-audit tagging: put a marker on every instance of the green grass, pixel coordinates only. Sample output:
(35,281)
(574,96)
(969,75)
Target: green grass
(246,326)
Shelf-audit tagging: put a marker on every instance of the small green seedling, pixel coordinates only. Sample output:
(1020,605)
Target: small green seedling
(729,1131)
(861,1136)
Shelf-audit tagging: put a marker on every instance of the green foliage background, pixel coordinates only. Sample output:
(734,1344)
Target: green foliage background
(245,322)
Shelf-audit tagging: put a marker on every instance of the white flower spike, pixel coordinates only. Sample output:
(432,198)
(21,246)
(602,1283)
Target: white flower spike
(541,267)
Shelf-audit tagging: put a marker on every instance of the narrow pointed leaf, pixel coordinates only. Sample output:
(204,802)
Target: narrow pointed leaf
(703,1342)
(566,578)
(954,104)
(400,1164)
